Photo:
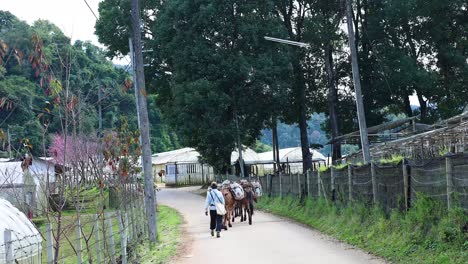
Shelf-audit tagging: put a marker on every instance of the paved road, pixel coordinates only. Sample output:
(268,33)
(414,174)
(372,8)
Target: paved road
(269,240)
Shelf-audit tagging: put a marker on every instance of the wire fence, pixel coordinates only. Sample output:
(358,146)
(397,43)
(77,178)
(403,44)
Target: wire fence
(389,185)
(107,237)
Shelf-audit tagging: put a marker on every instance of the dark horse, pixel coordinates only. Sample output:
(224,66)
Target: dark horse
(245,206)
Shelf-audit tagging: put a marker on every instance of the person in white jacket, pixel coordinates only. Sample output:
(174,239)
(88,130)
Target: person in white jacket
(212,196)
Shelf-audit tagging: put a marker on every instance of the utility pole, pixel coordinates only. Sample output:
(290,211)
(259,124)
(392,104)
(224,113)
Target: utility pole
(357,85)
(150,196)
(135,88)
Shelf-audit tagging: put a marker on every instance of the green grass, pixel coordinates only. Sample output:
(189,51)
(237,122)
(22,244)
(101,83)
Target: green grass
(428,233)
(68,243)
(169,235)
(340,166)
(169,232)
(394,159)
(323,168)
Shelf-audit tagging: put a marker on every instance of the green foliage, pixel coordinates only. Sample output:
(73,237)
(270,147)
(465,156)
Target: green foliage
(169,235)
(394,159)
(259,147)
(443,151)
(323,168)
(289,136)
(340,166)
(31,103)
(428,233)
(405,47)
(218,81)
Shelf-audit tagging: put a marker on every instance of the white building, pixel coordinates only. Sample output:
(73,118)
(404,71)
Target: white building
(290,159)
(23,183)
(183,166)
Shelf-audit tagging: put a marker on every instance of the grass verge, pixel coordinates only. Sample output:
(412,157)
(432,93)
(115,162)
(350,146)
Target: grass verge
(67,252)
(169,234)
(428,233)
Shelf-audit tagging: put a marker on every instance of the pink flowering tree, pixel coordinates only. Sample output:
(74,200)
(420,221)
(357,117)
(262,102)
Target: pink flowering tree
(78,154)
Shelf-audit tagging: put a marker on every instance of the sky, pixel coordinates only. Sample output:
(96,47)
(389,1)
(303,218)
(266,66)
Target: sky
(73,17)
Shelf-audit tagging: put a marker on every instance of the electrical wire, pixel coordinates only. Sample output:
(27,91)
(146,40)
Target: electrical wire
(90,9)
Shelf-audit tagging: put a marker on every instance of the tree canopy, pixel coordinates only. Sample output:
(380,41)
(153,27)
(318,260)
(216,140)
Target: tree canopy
(210,64)
(29,107)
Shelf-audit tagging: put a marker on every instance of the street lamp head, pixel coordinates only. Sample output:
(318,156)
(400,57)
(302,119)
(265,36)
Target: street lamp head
(289,42)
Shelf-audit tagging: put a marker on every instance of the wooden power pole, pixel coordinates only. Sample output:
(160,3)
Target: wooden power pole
(150,195)
(357,85)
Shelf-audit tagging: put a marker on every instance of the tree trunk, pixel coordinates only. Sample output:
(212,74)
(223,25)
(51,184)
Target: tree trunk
(150,196)
(275,146)
(301,90)
(422,105)
(408,110)
(332,102)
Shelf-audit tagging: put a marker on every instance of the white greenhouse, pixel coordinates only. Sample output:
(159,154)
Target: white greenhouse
(20,241)
(289,157)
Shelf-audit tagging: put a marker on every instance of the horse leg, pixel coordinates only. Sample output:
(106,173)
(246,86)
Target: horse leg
(251,207)
(250,211)
(246,207)
(241,213)
(229,217)
(224,222)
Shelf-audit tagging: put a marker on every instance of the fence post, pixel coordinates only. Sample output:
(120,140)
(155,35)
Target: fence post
(50,244)
(134,223)
(268,185)
(318,183)
(97,236)
(280,184)
(128,230)
(203,174)
(332,176)
(139,215)
(449,176)
(309,194)
(78,240)
(143,219)
(350,182)
(123,238)
(291,186)
(299,191)
(110,237)
(405,183)
(374,183)
(8,246)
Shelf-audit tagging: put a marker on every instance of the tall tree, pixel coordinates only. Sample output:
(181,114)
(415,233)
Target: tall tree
(220,70)
(323,31)
(293,14)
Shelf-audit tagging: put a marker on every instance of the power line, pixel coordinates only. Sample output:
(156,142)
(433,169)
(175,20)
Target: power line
(90,9)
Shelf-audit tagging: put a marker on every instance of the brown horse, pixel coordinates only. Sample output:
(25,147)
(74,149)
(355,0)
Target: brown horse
(246,204)
(229,203)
